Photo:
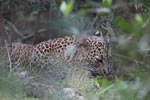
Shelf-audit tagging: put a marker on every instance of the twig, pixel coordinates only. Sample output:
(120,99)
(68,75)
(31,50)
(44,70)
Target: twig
(15,29)
(38,21)
(9,57)
(95,20)
(32,34)
(24,38)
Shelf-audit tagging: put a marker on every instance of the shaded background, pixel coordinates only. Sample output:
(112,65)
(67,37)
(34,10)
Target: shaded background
(126,23)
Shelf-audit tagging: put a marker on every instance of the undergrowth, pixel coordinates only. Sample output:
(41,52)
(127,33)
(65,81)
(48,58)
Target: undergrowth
(50,85)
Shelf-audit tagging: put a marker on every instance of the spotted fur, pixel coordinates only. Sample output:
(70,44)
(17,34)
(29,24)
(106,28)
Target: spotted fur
(88,49)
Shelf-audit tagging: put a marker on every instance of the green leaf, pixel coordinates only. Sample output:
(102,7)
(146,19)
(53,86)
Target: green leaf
(124,25)
(66,8)
(139,18)
(107,3)
(63,6)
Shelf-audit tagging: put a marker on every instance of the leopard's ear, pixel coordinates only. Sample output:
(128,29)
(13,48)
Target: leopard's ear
(99,33)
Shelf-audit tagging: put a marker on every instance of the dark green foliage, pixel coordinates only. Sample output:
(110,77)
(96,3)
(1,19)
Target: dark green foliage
(124,25)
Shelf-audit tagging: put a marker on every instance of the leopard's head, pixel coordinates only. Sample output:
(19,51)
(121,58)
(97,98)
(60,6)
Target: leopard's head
(96,52)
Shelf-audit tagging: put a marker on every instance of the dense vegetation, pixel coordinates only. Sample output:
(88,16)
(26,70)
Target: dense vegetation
(125,24)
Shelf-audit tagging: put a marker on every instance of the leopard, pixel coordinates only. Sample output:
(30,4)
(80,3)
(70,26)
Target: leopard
(18,53)
(88,49)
